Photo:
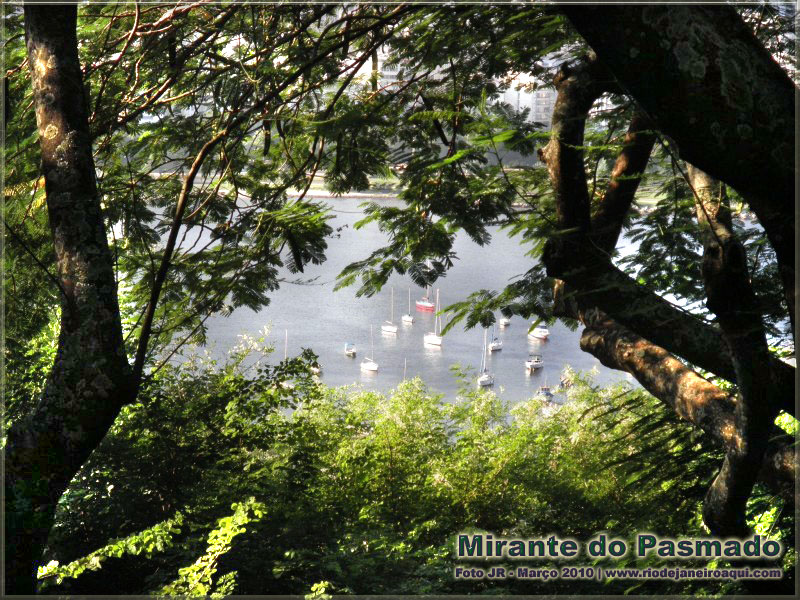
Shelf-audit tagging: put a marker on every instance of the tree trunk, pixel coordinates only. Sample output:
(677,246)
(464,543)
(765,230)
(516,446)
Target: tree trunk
(707,82)
(89,381)
(731,298)
(594,290)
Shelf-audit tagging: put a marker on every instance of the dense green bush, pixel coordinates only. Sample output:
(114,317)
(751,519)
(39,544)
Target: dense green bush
(358,492)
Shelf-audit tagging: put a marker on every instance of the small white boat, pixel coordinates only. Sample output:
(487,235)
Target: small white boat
(389,326)
(368,364)
(424,304)
(534,362)
(485,379)
(350,349)
(408,318)
(540,333)
(504,322)
(495,344)
(434,338)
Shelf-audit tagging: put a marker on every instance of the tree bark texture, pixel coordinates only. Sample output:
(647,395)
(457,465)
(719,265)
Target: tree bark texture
(89,381)
(581,256)
(709,84)
(692,397)
(604,297)
(732,299)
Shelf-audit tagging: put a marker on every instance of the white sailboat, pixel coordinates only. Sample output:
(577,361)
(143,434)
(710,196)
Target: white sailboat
(495,344)
(485,379)
(541,332)
(504,322)
(408,318)
(389,326)
(369,364)
(434,338)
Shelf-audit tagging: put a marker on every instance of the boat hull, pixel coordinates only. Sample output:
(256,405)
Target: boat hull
(485,381)
(407,319)
(369,366)
(432,339)
(425,306)
(540,333)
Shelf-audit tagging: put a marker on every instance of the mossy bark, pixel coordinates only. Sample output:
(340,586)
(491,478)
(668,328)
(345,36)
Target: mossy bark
(709,84)
(90,378)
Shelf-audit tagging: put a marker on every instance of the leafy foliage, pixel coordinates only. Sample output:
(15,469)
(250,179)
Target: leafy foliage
(230,111)
(365,492)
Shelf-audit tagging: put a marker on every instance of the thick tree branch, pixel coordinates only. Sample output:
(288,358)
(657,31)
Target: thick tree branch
(625,177)
(731,298)
(592,281)
(693,398)
(580,257)
(736,117)
(578,87)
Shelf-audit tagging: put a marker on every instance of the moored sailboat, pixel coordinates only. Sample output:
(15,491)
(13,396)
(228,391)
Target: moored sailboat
(424,304)
(389,326)
(485,379)
(495,344)
(368,364)
(408,317)
(434,338)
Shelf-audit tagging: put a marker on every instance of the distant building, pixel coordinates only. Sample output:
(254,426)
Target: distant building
(539,102)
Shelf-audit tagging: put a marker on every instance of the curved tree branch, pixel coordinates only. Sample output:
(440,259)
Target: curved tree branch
(580,256)
(693,398)
(731,298)
(736,120)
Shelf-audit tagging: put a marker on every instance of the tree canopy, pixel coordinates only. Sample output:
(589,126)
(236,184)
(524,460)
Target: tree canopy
(158,159)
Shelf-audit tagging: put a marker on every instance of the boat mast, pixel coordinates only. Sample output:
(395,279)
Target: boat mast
(483,354)
(437,325)
(286,346)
